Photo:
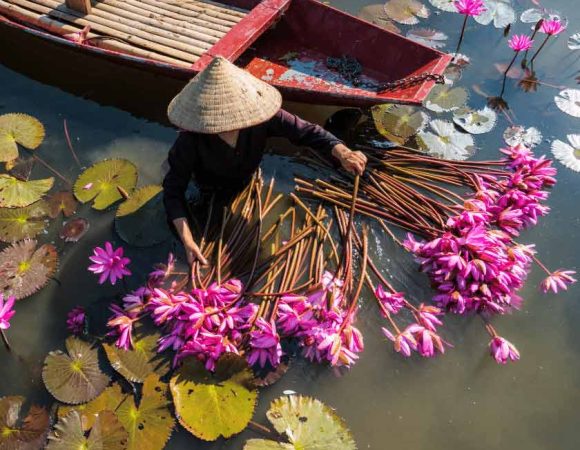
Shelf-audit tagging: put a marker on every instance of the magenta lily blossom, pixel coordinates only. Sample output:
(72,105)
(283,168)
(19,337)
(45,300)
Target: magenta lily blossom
(264,345)
(6,311)
(503,350)
(558,280)
(123,322)
(109,263)
(552,27)
(520,43)
(75,321)
(469,7)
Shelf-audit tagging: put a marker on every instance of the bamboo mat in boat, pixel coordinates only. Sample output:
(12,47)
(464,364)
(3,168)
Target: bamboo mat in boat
(171,31)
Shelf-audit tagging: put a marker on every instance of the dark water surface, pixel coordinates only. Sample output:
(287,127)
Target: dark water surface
(462,400)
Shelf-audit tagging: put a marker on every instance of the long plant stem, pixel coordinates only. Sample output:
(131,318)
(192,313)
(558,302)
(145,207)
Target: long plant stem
(5,340)
(462,34)
(506,73)
(69,143)
(538,51)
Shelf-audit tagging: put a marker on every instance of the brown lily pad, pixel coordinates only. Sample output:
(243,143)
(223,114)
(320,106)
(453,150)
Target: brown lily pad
(64,202)
(74,229)
(19,431)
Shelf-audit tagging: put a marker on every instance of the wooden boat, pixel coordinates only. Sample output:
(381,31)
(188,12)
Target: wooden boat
(287,43)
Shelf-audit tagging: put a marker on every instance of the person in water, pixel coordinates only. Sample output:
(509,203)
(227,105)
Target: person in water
(225,116)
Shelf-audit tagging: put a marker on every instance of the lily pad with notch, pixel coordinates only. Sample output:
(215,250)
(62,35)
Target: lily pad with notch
(23,223)
(443,98)
(475,121)
(100,183)
(24,268)
(214,405)
(17,129)
(500,12)
(141,219)
(15,193)
(107,433)
(62,201)
(407,12)
(399,120)
(446,142)
(307,423)
(568,101)
(74,377)
(445,5)
(19,431)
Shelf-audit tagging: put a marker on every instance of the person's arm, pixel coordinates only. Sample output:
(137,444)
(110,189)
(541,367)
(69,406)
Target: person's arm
(181,159)
(301,132)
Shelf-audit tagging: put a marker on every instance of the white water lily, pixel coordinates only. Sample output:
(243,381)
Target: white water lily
(568,101)
(475,122)
(574,42)
(445,5)
(500,12)
(568,153)
(516,135)
(446,142)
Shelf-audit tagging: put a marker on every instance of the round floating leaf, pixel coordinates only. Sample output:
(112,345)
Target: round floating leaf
(475,122)
(150,424)
(574,42)
(140,362)
(500,12)
(427,36)
(532,15)
(446,142)
(18,129)
(15,193)
(141,219)
(568,101)
(307,423)
(101,182)
(24,269)
(406,12)
(568,153)
(23,223)
(516,135)
(443,98)
(73,230)
(213,405)
(21,432)
(63,202)
(376,14)
(74,377)
(107,433)
(402,121)
(445,5)
(109,399)
(263,444)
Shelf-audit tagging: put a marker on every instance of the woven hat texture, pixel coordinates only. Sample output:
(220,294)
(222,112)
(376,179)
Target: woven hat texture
(222,98)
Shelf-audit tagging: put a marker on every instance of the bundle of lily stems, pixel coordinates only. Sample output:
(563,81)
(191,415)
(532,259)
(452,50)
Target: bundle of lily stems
(288,280)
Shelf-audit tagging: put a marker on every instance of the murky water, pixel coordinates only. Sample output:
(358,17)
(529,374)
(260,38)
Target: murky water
(462,400)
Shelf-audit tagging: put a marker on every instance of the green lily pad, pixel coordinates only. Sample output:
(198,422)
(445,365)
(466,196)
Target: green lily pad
(307,423)
(22,223)
(150,424)
(15,193)
(107,433)
(109,399)
(442,98)
(24,269)
(18,129)
(475,122)
(101,182)
(74,377)
(21,432)
(213,405)
(141,361)
(398,120)
(407,12)
(64,202)
(141,219)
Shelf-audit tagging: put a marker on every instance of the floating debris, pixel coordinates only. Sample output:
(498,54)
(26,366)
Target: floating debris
(73,230)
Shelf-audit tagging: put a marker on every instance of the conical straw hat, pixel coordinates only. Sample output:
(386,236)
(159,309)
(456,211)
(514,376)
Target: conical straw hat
(221,98)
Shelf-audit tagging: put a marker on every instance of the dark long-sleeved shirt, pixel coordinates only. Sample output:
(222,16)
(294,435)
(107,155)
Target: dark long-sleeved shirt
(212,163)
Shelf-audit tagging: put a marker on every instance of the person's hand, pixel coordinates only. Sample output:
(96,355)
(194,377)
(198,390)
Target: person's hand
(353,162)
(193,254)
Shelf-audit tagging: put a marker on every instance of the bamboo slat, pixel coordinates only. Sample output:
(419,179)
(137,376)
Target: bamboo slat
(210,16)
(206,8)
(226,9)
(151,8)
(124,7)
(56,27)
(130,28)
(129,37)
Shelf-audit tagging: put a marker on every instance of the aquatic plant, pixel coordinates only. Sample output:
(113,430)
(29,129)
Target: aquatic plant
(6,313)
(109,263)
(76,320)
(469,8)
(550,27)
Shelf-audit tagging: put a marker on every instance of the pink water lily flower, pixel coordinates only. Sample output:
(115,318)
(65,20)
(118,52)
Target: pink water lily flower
(520,43)
(123,322)
(559,279)
(469,7)
(264,344)
(75,320)
(552,27)
(503,350)
(110,263)
(392,302)
(6,311)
